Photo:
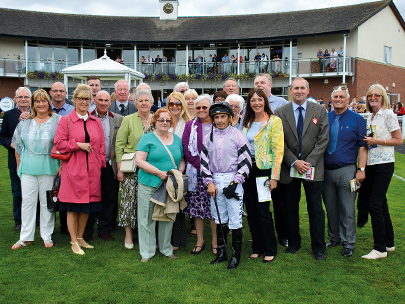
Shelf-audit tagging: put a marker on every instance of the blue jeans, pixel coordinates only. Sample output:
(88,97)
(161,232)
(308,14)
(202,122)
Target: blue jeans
(16,191)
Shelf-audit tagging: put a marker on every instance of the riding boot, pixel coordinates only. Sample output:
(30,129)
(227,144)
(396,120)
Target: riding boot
(222,240)
(236,248)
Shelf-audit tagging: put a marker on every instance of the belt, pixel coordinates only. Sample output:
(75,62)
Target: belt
(336,167)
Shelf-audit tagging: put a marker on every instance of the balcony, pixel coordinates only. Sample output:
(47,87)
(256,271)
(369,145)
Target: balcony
(305,67)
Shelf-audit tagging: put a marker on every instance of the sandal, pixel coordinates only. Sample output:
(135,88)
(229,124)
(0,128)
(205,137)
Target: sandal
(216,250)
(48,244)
(195,252)
(87,246)
(18,245)
(80,252)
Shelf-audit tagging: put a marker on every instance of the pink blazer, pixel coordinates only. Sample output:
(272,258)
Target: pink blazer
(79,183)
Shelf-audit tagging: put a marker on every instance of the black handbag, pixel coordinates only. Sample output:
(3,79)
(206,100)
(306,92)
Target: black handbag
(52,196)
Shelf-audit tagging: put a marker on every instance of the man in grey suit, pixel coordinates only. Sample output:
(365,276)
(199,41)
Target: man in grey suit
(109,184)
(306,136)
(122,105)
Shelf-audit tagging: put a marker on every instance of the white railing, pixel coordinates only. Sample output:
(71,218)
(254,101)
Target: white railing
(401,120)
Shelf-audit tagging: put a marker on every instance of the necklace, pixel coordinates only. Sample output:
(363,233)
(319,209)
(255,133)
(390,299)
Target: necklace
(147,122)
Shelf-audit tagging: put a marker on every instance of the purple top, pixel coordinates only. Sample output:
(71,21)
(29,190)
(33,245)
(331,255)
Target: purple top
(193,160)
(228,152)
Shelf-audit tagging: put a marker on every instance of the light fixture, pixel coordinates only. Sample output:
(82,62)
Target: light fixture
(326,81)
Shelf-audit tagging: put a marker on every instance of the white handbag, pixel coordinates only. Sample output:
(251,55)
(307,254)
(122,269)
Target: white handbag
(128,164)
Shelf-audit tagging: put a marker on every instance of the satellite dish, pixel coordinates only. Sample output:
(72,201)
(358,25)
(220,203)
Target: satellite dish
(6,104)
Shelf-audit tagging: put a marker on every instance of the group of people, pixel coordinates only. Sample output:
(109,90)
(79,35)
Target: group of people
(235,157)
(330,61)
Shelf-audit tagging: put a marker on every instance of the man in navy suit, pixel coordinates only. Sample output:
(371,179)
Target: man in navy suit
(10,120)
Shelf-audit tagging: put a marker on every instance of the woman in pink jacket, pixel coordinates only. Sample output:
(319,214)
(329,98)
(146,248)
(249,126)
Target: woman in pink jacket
(80,189)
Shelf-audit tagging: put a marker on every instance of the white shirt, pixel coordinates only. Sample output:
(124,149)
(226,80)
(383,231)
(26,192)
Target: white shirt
(383,124)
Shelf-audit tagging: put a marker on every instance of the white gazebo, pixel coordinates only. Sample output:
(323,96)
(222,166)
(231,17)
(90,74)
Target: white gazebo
(103,67)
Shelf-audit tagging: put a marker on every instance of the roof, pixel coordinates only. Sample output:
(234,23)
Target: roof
(103,67)
(112,29)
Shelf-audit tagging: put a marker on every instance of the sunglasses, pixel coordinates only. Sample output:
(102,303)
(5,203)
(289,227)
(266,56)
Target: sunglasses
(172,104)
(164,120)
(374,96)
(202,107)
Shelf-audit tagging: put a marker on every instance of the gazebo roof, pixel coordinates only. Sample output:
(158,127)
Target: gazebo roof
(103,67)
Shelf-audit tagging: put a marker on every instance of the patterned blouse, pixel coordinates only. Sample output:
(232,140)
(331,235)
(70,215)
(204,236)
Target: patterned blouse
(383,124)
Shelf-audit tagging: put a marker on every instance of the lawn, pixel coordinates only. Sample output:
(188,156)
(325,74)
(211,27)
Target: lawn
(112,274)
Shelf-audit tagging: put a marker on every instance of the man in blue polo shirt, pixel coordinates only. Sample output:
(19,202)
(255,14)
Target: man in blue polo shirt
(346,129)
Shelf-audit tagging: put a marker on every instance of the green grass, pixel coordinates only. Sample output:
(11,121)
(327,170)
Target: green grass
(112,274)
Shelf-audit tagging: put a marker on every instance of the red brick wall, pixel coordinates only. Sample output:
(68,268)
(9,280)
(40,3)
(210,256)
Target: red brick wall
(366,74)
(9,85)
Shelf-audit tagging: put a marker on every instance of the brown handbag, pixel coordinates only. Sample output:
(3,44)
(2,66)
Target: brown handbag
(55,154)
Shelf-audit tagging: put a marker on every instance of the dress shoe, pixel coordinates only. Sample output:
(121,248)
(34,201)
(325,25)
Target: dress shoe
(347,252)
(291,249)
(172,256)
(195,252)
(17,227)
(87,237)
(374,254)
(390,249)
(332,244)
(320,256)
(106,237)
(284,242)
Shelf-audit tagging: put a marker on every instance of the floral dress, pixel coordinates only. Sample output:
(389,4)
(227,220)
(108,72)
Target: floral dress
(127,212)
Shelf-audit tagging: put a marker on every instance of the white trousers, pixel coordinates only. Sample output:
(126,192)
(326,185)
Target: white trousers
(230,210)
(31,187)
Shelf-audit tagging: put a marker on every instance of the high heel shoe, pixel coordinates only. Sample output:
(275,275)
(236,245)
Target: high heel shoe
(80,252)
(87,246)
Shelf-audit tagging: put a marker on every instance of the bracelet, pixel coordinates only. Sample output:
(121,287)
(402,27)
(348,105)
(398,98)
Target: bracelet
(385,142)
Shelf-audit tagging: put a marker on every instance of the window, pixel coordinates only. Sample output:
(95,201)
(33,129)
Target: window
(387,54)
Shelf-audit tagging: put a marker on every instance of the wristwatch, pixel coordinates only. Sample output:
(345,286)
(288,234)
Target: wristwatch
(361,169)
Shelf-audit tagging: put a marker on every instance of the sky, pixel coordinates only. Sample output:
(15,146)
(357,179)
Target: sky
(186,7)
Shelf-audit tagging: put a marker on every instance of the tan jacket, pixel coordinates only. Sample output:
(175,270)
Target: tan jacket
(166,211)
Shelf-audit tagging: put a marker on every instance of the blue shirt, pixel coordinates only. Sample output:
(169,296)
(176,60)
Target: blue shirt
(297,112)
(63,110)
(276,102)
(351,126)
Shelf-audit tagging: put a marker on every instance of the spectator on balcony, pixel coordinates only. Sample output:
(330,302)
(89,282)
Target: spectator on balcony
(119,60)
(172,68)
(277,63)
(333,61)
(231,86)
(150,65)
(181,87)
(257,63)
(341,54)
(94,83)
(321,61)
(219,96)
(326,58)
(210,65)
(265,63)
(191,68)
(225,63)
(143,61)
(215,60)
(158,67)
(232,63)
(165,66)
(122,105)
(199,61)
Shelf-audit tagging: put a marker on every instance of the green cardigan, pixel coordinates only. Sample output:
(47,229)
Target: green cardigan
(128,135)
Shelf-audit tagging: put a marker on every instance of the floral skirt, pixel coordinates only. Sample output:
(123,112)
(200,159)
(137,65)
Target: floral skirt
(127,210)
(198,202)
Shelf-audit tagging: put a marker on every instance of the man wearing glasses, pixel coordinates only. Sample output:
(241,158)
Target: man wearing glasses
(58,94)
(10,120)
(181,87)
(346,131)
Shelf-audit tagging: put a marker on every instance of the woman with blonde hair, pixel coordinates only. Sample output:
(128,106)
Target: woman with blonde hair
(383,133)
(190,96)
(80,189)
(33,141)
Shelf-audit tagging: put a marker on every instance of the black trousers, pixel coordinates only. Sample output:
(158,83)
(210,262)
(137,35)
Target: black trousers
(373,195)
(109,204)
(259,217)
(280,214)
(291,195)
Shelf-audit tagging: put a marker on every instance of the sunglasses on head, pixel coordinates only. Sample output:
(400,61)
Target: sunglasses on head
(172,104)
(202,107)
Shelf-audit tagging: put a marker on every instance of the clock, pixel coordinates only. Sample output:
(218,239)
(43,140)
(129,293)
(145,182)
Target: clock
(168,8)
